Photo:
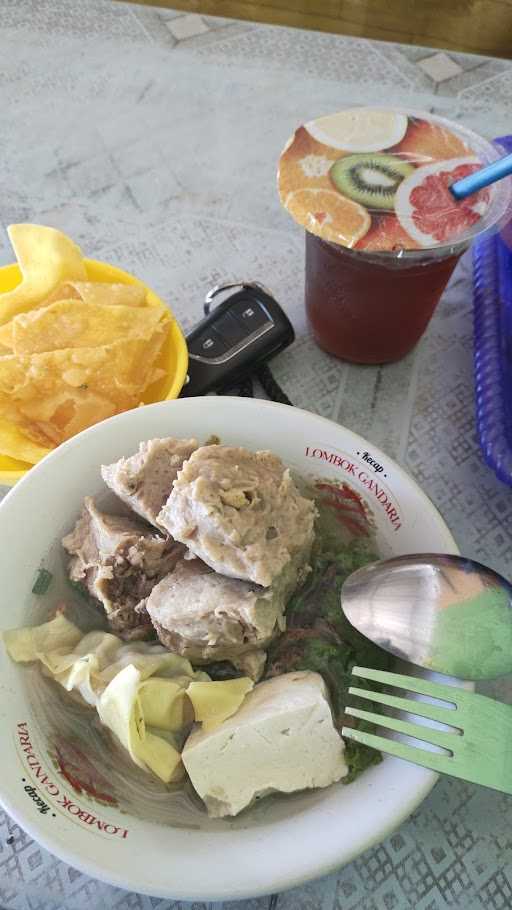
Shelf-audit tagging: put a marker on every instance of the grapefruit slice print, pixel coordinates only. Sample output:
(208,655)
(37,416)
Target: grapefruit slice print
(386,235)
(427,210)
(426,142)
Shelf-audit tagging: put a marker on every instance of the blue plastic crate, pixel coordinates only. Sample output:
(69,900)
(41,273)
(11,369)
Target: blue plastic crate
(492,296)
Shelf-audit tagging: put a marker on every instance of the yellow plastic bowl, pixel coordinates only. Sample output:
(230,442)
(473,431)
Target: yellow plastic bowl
(173,358)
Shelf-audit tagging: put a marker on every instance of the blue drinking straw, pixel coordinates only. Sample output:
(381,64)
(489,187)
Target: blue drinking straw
(486,175)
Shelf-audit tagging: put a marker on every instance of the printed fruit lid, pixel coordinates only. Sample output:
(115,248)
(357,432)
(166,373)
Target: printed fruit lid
(378,180)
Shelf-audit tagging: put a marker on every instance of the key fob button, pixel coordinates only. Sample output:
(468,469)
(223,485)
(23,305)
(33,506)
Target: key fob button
(209,344)
(231,330)
(234,339)
(250,314)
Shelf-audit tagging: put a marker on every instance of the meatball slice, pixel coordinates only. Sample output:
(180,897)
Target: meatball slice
(240,512)
(208,617)
(119,560)
(143,481)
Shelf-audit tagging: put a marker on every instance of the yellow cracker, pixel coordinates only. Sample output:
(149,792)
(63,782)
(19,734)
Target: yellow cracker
(75,324)
(53,395)
(100,292)
(46,257)
(15,445)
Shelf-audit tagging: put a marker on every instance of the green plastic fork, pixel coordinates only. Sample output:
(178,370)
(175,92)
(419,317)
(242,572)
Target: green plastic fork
(478,744)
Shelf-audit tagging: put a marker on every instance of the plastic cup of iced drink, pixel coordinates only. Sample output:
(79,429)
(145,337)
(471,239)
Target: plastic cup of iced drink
(383,232)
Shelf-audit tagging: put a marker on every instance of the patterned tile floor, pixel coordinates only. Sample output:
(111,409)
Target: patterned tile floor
(128,128)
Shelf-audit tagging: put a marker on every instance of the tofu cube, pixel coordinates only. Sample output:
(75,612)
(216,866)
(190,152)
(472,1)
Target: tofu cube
(281,739)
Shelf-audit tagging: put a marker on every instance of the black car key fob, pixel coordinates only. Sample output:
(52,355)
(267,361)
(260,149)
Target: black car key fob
(234,339)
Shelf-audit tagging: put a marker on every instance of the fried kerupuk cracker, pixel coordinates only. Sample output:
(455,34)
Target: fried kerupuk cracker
(75,324)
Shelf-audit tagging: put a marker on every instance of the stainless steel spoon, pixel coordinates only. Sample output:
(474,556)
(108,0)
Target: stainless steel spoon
(444,613)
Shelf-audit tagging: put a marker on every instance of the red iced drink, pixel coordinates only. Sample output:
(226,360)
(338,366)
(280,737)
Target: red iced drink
(370,309)
(383,231)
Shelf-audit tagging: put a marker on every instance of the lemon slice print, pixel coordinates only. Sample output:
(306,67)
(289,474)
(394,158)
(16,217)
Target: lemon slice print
(359,129)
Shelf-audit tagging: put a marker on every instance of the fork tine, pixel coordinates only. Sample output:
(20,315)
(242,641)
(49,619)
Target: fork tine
(425,734)
(433,760)
(421,708)
(412,684)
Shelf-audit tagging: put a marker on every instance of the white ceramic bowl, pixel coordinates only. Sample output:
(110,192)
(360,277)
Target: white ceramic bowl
(281,843)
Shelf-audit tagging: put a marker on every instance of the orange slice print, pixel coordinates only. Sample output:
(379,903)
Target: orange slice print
(305,162)
(329,215)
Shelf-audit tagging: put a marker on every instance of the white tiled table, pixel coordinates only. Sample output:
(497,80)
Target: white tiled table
(152,137)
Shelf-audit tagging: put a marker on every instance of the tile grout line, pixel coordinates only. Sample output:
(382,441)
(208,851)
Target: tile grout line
(498,76)
(407,411)
(140,24)
(340,394)
(396,69)
(330,892)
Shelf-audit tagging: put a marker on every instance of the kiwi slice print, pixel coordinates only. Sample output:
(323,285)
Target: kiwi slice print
(371,180)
